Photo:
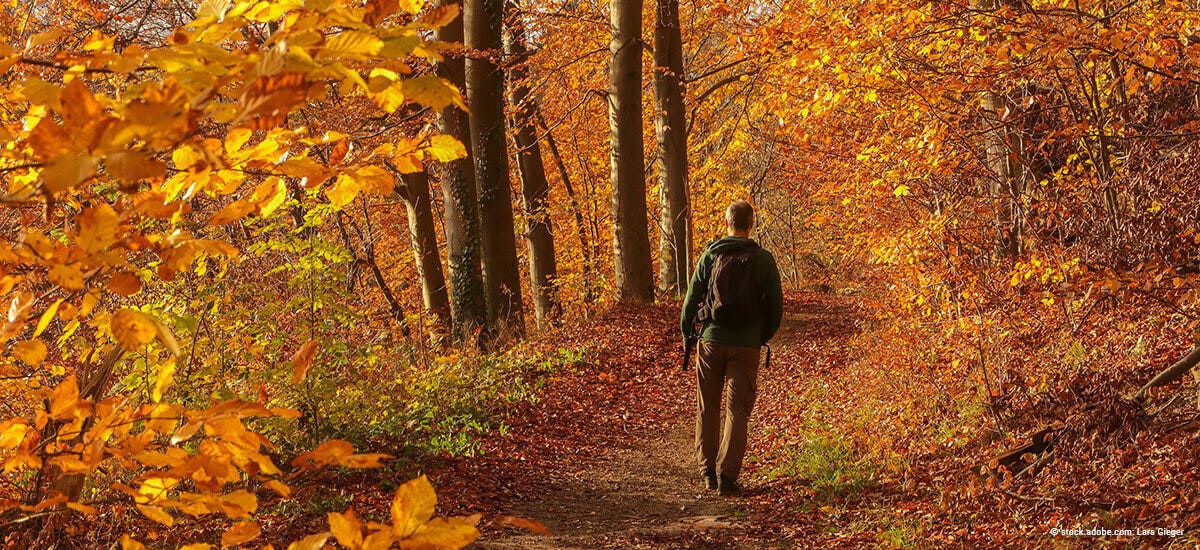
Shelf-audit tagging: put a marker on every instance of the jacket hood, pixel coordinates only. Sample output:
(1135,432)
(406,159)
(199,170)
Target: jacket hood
(732,245)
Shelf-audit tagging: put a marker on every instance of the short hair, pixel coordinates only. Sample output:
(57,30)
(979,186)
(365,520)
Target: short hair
(740,215)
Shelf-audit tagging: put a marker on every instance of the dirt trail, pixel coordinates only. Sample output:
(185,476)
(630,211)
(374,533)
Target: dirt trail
(606,461)
(639,497)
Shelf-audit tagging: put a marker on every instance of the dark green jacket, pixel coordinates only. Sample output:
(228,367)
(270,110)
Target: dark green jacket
(752,334)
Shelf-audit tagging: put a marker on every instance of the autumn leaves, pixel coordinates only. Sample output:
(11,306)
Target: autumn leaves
(138,160)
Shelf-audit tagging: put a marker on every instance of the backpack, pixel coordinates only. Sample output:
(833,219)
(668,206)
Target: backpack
(735,290)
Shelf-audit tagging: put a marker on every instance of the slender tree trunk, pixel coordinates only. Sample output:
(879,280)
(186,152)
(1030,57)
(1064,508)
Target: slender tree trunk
(999,153)
(425,247)
(585,248)
(485,89)
(631,246)
(468,304)
(535,189)
(671,129)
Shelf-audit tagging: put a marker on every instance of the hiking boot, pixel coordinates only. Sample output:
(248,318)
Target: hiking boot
(728,486)
(710,480)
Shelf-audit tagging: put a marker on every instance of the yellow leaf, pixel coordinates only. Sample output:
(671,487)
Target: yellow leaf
(40,92)
(437,93)
(375,180)
(165,373)
(413,506)
(212,8)
(343,191)
(64,399)
(32,352)
(412,6)
(445,148)
(127,543)
(80,110)
(269,196)
(90,299)
(311,542)
(346,528)
(407,163)
(124,283)
(196,546)
(157,514)
(47,316)
(13,434)
(133,329)
(187,157)
(329,452)
(66,276)
(388,96)
(901,190)
(302,360)
(97,228)
(305,167)
(275,485)
(241,533)
(234,211)
(239,503)
(155,489)
(351,44)
(443,533)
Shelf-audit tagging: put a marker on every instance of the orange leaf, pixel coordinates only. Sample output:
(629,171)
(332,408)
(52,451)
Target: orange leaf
(347,528)
(124,283)
(241,533)
(303,360)
(535,526)
(311,542)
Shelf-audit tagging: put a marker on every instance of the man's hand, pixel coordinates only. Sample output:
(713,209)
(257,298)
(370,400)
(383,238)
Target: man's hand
(689,344)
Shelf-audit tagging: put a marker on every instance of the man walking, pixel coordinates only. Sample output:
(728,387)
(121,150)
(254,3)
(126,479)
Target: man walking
(737,296)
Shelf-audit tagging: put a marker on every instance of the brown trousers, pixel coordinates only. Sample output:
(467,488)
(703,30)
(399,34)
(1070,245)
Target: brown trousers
(719,363)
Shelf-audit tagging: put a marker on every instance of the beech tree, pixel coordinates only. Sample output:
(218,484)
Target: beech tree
(484,21)
(670,124)
(631,246)
(419,203)
(535,188)
(468,302)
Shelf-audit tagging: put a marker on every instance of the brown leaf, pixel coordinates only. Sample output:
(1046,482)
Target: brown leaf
(303,360)
(532,525)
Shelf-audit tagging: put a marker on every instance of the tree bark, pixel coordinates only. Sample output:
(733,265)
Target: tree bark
(485,89)
(468,304)
(421,228)
(1172,373)
(631,245)
(670,127)
(535,188)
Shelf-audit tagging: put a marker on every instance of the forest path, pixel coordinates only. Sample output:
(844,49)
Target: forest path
(605,459)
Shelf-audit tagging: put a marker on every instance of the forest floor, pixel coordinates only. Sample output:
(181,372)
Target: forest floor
(604,458)
(601,455)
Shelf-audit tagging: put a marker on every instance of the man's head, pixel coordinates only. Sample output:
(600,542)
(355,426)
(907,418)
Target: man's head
(739,218)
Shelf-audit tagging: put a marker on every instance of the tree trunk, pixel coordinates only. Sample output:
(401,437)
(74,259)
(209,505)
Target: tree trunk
(468,305)
(535,189)
(485,89)
(631,246)
(670,127)
(425,247)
